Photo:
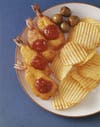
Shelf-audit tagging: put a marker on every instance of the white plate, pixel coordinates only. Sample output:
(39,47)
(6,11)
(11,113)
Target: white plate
(91,103)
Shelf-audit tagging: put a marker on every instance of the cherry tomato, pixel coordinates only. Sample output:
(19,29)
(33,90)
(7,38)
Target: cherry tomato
(51,32)
(43,86)
(40,45)
(39,63)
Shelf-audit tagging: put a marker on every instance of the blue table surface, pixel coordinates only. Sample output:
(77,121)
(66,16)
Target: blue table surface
(16,108)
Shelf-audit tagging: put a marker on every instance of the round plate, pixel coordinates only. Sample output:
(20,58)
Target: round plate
(91,104)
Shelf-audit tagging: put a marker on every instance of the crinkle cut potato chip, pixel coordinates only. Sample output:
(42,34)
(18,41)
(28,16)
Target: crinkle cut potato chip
(91,69)
(94,22)
(72,91)
(89,20)
(72,54)
(85,34)
(86,83)
(95,60)
(59,103)
(90,53)
(59,69)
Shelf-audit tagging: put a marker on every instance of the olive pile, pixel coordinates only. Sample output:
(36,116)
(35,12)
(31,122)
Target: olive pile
(64,19)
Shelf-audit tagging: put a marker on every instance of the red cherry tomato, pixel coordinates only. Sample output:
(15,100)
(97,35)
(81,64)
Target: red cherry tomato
(39,63)
(43,86)
(40,45)
(51,32)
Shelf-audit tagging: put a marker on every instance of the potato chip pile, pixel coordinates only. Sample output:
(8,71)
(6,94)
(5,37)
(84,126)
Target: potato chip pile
(77,66)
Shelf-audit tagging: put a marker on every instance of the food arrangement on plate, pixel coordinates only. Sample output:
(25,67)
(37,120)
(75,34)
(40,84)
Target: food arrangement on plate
(62,46)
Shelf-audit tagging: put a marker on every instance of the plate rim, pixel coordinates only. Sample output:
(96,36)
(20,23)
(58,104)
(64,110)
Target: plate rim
(20,80)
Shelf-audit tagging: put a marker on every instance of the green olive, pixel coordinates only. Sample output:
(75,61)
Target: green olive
(65,11)
(65,27)
(57,18)
(73,20)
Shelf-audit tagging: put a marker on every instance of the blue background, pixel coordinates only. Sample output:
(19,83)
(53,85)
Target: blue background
(16,109)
